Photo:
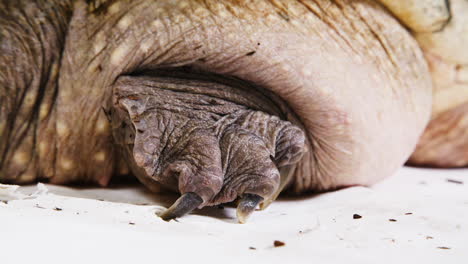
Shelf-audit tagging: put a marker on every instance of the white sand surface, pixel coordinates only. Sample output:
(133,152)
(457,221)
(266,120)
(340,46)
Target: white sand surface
(54,224)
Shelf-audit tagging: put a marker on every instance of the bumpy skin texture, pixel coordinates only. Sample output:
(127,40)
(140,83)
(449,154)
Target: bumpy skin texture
(209,97)
(197,135)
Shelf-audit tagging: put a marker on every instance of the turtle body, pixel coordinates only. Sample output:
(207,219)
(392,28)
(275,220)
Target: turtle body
(226,100)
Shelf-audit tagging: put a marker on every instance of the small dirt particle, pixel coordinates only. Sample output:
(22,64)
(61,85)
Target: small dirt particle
(454,181)
(356,216)
(252,248)
(278,243)
(443,247)
(429,237)
(250,53)
(408,213)
(392,220)
(58,209)
(131,223)
(5,202)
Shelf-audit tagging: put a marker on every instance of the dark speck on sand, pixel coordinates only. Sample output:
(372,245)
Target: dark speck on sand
(356,216)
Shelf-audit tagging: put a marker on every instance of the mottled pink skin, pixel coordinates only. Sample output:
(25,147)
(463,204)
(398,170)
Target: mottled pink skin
(351,76)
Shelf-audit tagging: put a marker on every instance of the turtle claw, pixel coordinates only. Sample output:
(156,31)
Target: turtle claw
(185,204)
(246,206)
(286,174)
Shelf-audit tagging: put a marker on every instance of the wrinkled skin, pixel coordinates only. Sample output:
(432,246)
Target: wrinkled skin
(213,99)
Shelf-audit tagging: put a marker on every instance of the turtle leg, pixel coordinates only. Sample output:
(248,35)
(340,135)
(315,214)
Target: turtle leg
(207,148)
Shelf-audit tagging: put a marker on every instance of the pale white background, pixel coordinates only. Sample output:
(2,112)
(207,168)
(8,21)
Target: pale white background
(118,225)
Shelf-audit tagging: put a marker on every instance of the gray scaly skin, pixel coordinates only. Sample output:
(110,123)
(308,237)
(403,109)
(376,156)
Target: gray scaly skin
(216,100)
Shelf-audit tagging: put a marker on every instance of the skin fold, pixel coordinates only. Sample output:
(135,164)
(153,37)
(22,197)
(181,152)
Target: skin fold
(441,29)
(216,100)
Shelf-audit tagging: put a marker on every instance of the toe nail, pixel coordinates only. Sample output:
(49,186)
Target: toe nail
(246,206)
(185,204)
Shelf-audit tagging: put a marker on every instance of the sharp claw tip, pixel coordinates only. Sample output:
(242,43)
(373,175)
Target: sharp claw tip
(166,216)
(241,219)
(243,215)
(246,206)
(185,204)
